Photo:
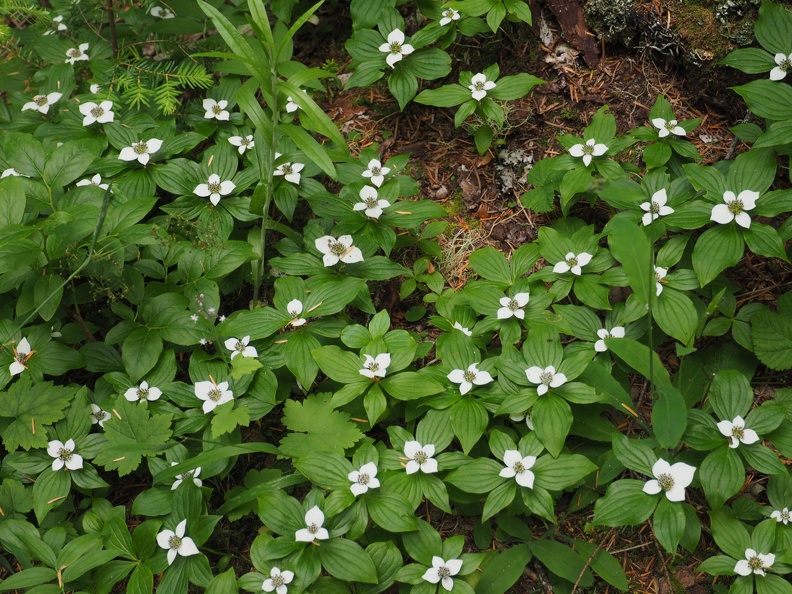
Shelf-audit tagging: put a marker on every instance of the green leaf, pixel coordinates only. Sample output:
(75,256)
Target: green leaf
(552,418)
(491,264)
(563,472)
(140,352)
(51,489)
(390,511)
(669,416)
(562,561)
(731,394)
(227,418)
(624,504)
(12,201)
(637,356)
(630,246)
(634,454)
(468,421)
(329,471)
(750,59)
(410,385)
(718,248)
(312,149)
(504,570)
(423,543)
(32,408)
(774,28)
(225,583)
(28,578)
(479,476)
(604,564)
(676,315)
(722,475)
(773,584)
(71,160)
(669,524)
(730,534)
(317,427)
(445,96)
(514,87)
(772,339)
(767,99)
(403,85)
(339,365)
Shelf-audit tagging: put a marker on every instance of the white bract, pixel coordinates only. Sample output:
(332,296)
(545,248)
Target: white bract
(479,85)
(573,263)
(42,102)
(213,394)
(545,378)
(660,274)
(277,581)
(290,171)
(371,204)
(142,392)
(291,106)
(295,308)
(517,418)
(588,150)
(666,127)
(518,467)
(441,571)
(782,515)
(22,353)
(419,457)
(176,543)
(735,207)
(449,14)
(96,180)
(242,142)
(603,333)
(64,455)
(216,109)
(754,563)
(671,479)
(335,250)
(737,433)
(513,306)
(98,416)
(364,479)
(214,188)
(140,151)
(462,329)
(783,64)
(59,25)
(180,478)
(656,207)
(396,48)
(240,347)
(161,12)
(77,54)
(97,112)
(376,172)
(374,367)
(314,518)
(9,172)
(467,378)
(94,88)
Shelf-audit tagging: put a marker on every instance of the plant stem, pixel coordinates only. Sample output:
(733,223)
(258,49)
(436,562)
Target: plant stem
(111,23)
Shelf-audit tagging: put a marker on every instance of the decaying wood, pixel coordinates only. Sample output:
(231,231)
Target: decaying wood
(574,29)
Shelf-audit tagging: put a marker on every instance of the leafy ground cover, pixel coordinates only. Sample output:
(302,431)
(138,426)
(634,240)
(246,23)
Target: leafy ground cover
(350,298)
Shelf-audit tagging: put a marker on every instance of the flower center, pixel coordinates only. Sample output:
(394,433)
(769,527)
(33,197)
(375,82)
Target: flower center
(786,516)
(420,457)
(588,149)
(97,111)
(479,85)
(785,64)
(40,99)
(246,142)
(658,278)
(375,171)
(74,52)
(214,395)
(735,207)
(277,581)
(140,148)
(666,482)
(214,188)
(217,109)
(373,366)
(100,415)
(174,542)
(449,13)
(546,377)
(738,432)
(755,563)
(513,305)
(186,475)
(21,358)
(395,47)
(337,248)
(654,208)
(371,202)
(286,168)
(363,479)
(313,528)
(518,467)
(443,572)
(669,125)
(469,376)
(142,393)
(572,262)
(64,454)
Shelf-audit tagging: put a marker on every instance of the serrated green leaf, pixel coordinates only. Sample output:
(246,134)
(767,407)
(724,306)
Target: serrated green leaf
(32,406)
(317,427)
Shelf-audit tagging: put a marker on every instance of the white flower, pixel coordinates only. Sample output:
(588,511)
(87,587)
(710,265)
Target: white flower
(213,394)
(396,48)
(22,353)
(462,329)
(59,25)
(524,417)
(140,150)
(736,432)
(10,171)
(314,518)
(513,306)
(449,14)
(341,249)
(783,515)
(603,333)
(98,415)
(671,479)
(97,112)
(277,581)
(518,467)
(96,180)
(371,204)
(142,392)
(573,263)
(784,63)
(419,458)
(363,479)
(214,188)
(588,151)
(376,172)
(656,207)
(660,274)
(754,563)
(441,571)
(42,102)
(664,128)
(291,106)
(216,109)
(95,88)
(735,207)
(193,474)
(480,85)
(243,142)
(295,308)
(240,347)
(374,367)
(545,378)
(469,377)
(176,543)
(64,455)
(77,54)
(162,12)
(291,171)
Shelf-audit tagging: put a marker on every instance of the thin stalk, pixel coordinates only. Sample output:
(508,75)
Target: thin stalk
(111,23)
(649,304)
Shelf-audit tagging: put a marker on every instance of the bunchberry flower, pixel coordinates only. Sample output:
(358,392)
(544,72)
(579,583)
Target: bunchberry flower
(335,250)
(64,455)
(737,433)
(666,127)
(364,479)
(467,378)
(161,12)
(291,106)
(479,85)
(735,207)
(59,25)
(371,204)
(190,474)
(216,109)
(588,151)
(77,54)
(754,563)
(295,308)
(396,48)
(143,392)
(513,306)
(603,333)
(240,347)
(213,394)
(783,64)
(518,467)
(96,180)
(517,418)
(376,172)
(94,112)
(419,457)
(176,542)
(42,102)
(98,416)
(242,142)
(671,479)
(277,581)
(140,151)
(545,378)
(314,518)
(22,353)
(656,207)
(94,88)
(374,367)
(290,171)
(782,515)
(441,571)
(462,329)
(449,14)
(660,274)
(214,189)
(573,263)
